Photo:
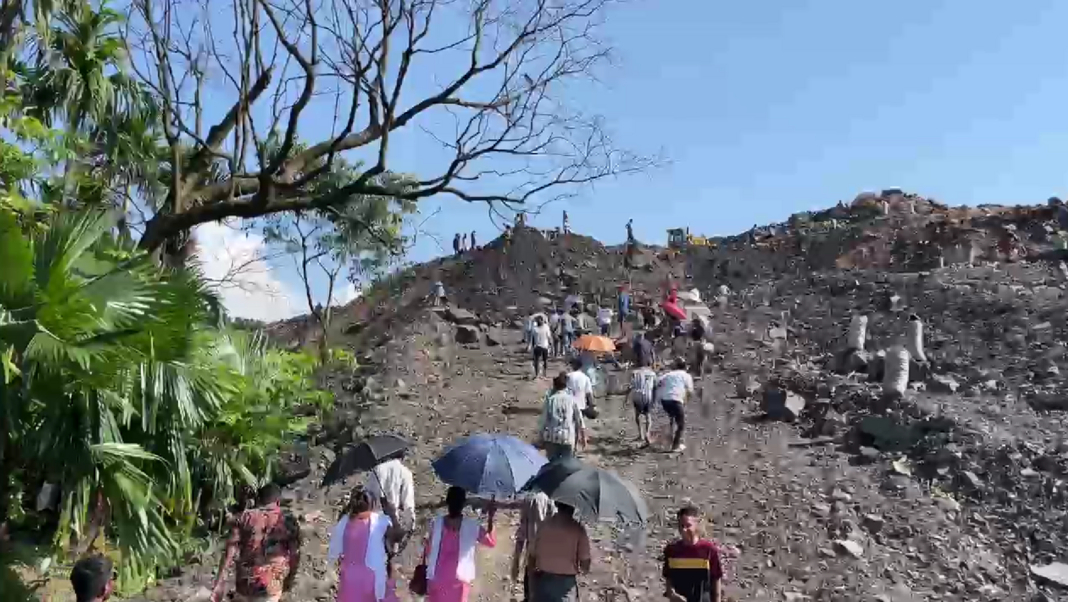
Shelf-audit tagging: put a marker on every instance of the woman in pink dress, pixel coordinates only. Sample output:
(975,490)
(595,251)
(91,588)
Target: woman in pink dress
(449,552)
(360,542)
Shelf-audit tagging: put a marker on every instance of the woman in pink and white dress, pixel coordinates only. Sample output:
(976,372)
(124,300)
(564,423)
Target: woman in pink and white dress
(360,541)
(449,553)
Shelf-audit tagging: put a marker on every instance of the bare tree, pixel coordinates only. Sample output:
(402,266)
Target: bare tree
(477,87)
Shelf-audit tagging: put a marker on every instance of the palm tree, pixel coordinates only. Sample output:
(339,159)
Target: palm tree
(80,74)
(94,341)
(117,385)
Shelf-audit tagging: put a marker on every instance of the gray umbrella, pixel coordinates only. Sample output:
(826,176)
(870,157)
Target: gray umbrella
(364,456)
(593,492)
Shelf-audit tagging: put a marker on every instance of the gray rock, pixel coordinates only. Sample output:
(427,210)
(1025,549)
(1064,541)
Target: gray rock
(874,523)
(466,335)
(848,546)
(494,337)
(941,383)
(458,315)
(971,479)
(1056,572)
(747,385)
(948,504)
(780,404)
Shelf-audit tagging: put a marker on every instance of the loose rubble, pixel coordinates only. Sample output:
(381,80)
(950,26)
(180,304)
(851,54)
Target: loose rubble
(883,417)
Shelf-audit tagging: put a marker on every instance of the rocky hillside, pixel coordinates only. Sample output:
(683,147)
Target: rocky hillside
(825,486)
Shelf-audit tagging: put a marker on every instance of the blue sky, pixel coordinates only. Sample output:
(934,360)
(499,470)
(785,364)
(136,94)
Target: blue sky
(768,108)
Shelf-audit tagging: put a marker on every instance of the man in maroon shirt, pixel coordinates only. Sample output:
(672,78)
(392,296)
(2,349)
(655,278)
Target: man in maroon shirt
(692,571)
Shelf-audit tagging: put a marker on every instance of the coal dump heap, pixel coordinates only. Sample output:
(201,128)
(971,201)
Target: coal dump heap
(884,416)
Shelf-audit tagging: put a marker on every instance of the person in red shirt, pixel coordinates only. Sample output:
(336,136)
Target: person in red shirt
(265,541)
(692,570)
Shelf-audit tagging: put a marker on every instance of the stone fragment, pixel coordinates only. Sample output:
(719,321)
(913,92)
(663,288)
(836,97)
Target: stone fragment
(466,335)
(850,547)
(1055,572)
(458,315)
(942,383)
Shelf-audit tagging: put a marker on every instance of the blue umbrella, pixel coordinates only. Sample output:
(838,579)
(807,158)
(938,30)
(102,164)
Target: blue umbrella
(489,465)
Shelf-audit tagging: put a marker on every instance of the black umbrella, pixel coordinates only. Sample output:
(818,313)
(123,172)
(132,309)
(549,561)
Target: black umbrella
(364,456)
(593,492)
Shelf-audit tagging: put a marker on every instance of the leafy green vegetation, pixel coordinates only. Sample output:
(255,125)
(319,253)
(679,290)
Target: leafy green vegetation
(121,395)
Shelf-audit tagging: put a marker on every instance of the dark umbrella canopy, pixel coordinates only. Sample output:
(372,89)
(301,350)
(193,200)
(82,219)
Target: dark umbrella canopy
(364,456)
(593,492)
(489,465)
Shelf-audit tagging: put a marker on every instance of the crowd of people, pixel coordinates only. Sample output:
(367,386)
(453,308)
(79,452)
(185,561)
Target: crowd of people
(552,548)
(461,243)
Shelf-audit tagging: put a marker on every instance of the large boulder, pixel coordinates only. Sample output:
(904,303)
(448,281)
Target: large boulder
(780,404)
(467,335)
(292,465)
(458,315)
(494,337)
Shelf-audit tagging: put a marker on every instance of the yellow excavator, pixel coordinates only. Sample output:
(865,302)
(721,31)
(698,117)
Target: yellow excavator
(680,238)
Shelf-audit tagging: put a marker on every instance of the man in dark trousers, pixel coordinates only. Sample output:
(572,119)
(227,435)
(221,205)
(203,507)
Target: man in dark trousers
(265,542)
(456,244)
(692,569)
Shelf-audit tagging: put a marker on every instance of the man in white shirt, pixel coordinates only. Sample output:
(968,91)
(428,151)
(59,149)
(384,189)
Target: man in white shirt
(604,320)
(580,386)
(540,340)
(673,389)
(554,327)
(392,480)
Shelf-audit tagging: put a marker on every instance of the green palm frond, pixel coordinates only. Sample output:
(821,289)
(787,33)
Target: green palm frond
(16,257)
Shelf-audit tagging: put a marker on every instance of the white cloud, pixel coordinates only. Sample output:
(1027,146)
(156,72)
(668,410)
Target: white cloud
(346,294)
(235,262)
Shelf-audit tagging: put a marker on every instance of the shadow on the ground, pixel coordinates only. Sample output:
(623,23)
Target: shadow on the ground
(12,586)
(520,411)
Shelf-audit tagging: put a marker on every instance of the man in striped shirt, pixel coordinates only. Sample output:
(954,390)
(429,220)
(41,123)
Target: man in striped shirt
(562,424)
(642,385)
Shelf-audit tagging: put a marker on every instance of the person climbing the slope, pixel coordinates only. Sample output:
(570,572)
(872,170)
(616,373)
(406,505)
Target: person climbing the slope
(554,328)
(642,391)
(562,427)
(623,305)
(566,334)
(450,551)
(540,340)
(604,320)
(673,389)
(580,385)
(265,541)
(439,294)
(692,568)
(697,336)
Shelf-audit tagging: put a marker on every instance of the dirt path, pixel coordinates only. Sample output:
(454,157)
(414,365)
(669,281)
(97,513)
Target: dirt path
(780,505)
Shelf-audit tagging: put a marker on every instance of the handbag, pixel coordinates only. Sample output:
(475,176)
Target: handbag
(418,584)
